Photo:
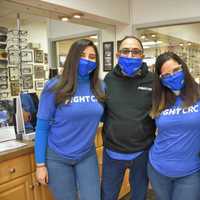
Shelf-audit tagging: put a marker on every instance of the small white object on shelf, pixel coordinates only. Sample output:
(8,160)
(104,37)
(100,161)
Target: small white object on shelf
(8,145)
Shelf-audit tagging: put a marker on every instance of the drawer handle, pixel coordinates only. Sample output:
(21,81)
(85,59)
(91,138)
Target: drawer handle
(31,186)
(12,170)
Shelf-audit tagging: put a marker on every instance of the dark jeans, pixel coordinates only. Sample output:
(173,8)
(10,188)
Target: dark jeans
(113,174)
(69,178)
(168,188)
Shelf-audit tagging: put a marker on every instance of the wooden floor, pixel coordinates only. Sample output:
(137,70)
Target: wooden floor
(150,196)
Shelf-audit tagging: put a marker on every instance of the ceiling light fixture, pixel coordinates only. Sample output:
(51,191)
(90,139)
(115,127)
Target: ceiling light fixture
(64,19)
(143,36)
(77,16)
(93,37)
(181,44)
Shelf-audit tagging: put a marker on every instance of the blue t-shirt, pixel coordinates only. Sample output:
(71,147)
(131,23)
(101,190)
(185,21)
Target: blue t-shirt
(73,126)
(176,150)
(122,156)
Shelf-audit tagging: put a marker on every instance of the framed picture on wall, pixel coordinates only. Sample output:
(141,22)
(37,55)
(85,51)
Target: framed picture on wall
(4,86)
(13,58)
(3,79)
(45,58)
(27,56)
(3,72)
(39,84)
(108,51)
(14,73)
(38,56)
(27,69)
(4,94)
(15,88)
(27,82)
(39,72)
(62,59)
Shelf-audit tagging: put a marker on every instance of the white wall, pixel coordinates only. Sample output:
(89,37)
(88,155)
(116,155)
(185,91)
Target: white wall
(188,32)
(117,10)
(162,12)
(37,33)
(58,30)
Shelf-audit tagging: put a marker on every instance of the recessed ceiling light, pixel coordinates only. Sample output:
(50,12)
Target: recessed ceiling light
(150,43)
(64,19)
(189,43)
(77,16)
(93,37)
(181,44)
(143,36)
(153,35)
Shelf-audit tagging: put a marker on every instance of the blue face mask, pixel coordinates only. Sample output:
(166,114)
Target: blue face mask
(174,82)
(86,67)
(129,65)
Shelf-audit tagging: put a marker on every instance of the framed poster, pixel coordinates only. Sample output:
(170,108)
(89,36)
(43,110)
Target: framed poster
(3,64)
(108,51)
(13,57)
(38,56)
(39,72)
(62,59)
(27,82)
(13,73)
(39,84)
(27,56)
(15,88)
(4,86)
(3,72)
(27,69)
(45,58)
(4,94)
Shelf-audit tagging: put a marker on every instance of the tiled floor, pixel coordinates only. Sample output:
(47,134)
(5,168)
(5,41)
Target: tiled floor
(149,197)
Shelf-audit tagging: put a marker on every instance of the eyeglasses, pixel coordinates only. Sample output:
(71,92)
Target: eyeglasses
(134,52)
(175,70)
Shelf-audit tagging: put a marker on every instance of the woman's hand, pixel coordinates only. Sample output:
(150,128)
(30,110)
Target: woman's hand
(42,174)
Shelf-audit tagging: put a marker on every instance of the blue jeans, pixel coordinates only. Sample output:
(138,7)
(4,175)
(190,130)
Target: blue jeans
(181,188)
(69,179)
(113,174)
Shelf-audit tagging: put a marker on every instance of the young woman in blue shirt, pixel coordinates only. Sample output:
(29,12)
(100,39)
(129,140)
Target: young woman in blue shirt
(69,113)
(174,159)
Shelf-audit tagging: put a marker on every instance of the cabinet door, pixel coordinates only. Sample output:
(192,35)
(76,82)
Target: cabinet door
(125,189)
(40,192)
(18,189)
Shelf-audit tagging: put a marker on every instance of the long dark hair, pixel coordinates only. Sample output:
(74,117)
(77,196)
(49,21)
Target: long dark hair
(66,87)
(164,97)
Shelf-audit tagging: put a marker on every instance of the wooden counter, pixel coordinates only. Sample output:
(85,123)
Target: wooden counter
(6,155)
(17,173)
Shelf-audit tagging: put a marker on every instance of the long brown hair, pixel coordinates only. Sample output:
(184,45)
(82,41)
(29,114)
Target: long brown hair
(164,97)
(66,87)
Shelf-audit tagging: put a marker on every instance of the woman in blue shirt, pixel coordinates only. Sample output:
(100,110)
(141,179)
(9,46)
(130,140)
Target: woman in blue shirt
(174,159)
(70,109)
